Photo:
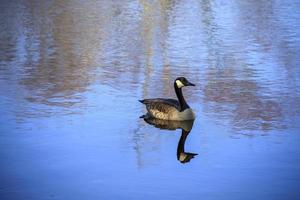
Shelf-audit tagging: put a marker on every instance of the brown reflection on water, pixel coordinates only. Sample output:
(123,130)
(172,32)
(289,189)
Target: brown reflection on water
(154,33)
(241,101)
(245,68)
(238,88)
(66,50)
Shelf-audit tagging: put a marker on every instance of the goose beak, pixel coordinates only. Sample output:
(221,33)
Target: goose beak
(190,84)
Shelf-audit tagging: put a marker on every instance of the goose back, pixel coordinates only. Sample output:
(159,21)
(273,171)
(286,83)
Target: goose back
(166,109)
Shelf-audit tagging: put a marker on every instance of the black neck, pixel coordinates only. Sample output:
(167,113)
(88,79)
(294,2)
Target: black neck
(182,102)
(180,146)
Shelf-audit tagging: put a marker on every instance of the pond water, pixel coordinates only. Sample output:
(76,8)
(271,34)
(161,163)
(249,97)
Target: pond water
(72,72)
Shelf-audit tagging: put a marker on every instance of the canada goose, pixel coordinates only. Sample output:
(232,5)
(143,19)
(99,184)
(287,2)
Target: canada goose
(171,109)
(185,126)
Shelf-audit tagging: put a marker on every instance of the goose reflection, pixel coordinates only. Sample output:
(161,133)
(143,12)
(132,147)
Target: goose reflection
(185,126)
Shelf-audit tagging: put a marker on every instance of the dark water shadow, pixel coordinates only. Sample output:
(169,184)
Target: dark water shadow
(185,126)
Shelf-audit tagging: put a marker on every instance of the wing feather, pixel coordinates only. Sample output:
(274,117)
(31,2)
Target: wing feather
(161,103)
(162,108)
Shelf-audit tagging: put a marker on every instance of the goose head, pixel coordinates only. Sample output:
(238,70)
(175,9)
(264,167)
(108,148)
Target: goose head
(182,82)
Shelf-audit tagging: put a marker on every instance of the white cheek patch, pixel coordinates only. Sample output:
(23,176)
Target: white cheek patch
(179,84)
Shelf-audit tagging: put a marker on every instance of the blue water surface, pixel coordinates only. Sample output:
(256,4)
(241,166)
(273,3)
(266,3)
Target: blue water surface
(72,72)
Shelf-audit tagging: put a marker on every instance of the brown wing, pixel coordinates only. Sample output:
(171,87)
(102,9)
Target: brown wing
(160,104)
(162,108)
